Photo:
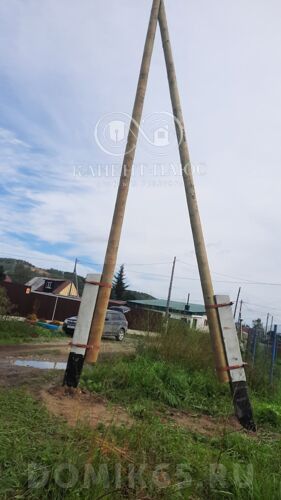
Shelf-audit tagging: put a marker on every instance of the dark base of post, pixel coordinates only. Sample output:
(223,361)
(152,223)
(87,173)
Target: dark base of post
(242,405)
(73,369)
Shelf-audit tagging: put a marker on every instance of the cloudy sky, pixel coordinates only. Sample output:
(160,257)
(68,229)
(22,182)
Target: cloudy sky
(68,77)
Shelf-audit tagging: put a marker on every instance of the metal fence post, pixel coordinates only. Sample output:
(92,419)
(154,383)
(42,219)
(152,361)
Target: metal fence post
(273,353)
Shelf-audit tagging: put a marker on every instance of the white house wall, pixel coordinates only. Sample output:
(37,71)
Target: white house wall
(200,320)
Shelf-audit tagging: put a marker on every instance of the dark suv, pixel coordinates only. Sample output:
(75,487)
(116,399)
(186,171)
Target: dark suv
(115,325)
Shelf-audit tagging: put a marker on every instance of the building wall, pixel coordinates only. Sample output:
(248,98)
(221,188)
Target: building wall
(151,320)
(195,321)
(69,290)
(144,320)
(41,304)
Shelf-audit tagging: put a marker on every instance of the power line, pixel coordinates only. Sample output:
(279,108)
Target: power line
(217,281)
(34,257)
(235,280)
(241,280)
(264,306)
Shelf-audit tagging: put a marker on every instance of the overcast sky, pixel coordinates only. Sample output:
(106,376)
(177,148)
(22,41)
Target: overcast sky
(68,77)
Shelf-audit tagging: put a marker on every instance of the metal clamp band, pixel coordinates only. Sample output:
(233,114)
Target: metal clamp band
(99,283)
(94,347)
(217,306)
(234,367)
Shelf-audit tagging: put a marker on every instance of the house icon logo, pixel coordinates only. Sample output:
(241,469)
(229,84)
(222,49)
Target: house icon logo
(161,136)
(116,131)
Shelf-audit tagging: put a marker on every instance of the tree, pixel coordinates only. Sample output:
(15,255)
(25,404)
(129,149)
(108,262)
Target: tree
(119,284)
(258,326)
(22,273)
(5,304)
(2,274)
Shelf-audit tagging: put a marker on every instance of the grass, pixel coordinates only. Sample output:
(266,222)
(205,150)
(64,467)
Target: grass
(176,370)
(151,459)
(143,379)
(18,332)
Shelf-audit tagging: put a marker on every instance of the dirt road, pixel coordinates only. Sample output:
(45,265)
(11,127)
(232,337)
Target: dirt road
(12,375)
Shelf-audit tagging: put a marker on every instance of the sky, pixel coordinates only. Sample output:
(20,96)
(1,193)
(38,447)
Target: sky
(68,75)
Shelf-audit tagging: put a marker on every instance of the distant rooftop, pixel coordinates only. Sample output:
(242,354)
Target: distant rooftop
(51,285)
(161,304)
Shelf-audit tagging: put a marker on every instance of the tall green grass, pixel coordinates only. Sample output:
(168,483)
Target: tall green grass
(144,379)
(17,332)
(176,369)
(182,345)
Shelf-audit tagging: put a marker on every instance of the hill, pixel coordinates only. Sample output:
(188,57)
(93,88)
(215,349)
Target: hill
(22,271)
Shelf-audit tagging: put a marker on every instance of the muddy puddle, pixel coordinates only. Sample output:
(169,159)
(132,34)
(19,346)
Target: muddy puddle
(42,365)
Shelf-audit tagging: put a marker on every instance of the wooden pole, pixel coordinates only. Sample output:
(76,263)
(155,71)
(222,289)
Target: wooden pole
(236,303)
(266,325)
(170,290)
(200,248)
(240,321)
(118,216)
(166,320)
(55,307)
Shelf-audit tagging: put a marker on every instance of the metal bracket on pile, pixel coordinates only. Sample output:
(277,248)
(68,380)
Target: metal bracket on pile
(217,306)
(235,365)
(99,283)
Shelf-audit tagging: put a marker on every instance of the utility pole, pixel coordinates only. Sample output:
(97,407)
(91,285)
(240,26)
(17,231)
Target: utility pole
(238,385)
(55,307)
(236,303)
(240,312)
(266,325)
(119,210)
(169,293)
(240,319)
(239,390)
(273,353)
(271,324)
(75,278)
(200,248)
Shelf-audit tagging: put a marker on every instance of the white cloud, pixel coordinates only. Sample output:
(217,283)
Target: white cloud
(64,64)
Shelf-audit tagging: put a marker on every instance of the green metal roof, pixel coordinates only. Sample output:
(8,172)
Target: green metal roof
(161,304)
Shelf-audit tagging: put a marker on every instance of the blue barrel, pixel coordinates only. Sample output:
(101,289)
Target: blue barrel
(48,326)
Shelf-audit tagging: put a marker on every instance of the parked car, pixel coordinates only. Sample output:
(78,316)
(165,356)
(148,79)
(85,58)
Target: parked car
(115,325)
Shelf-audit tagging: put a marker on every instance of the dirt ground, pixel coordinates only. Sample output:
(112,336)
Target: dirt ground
(14,376)
(81,406)
(78,405)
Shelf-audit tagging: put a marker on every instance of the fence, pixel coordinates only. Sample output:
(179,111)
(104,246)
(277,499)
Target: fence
(44,305)
(264,350)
